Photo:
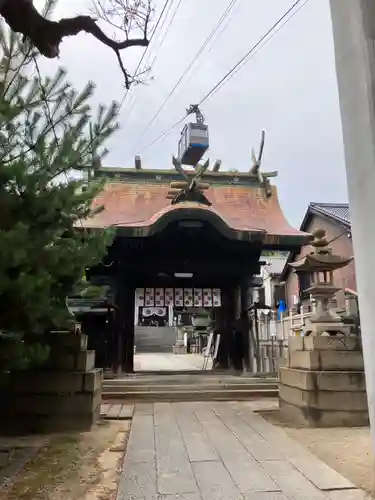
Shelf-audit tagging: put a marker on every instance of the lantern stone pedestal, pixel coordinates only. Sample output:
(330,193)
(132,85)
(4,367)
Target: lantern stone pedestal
(322,383)
(63,396)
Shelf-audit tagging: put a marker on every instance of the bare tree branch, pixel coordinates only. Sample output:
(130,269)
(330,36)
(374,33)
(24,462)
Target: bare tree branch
(127,16)
(22,17)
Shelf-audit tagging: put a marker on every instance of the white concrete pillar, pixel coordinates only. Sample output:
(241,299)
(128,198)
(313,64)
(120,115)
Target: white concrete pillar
(354,33)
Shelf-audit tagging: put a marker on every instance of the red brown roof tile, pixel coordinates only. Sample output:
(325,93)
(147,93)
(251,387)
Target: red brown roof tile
(243,208)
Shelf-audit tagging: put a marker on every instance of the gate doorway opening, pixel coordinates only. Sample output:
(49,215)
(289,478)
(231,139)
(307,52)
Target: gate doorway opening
(187,241)
(173,328)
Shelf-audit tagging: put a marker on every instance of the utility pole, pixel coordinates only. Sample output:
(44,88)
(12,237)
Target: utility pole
(354,39)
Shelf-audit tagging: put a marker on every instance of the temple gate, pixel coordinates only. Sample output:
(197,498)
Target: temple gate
(190,231)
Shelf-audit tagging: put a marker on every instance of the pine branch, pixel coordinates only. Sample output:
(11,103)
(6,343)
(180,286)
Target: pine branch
(22,17)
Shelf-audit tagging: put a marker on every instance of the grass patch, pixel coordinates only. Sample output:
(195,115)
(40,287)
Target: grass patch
(54,465)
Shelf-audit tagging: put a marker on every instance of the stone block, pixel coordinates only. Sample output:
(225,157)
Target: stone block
(323,380)
(82,361)
(301,379)
(68,341)
(313,417)
(48,423)
(341,381)
(51,404)
(93,380)
(331,343)
(295,343)
(326,360)
(46,382)
(324,400)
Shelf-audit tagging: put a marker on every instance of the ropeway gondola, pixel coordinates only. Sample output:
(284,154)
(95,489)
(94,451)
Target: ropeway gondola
(194,139)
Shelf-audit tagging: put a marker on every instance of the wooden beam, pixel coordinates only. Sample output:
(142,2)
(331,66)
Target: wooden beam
(174,191)
(202,185)
(179,185)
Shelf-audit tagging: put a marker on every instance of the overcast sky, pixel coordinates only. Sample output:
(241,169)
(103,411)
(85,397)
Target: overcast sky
(289,89)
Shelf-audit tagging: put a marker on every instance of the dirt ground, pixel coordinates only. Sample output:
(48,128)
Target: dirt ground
(346,450)
(74,467)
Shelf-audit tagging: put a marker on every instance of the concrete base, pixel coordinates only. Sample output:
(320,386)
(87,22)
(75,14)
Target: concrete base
(323,383)
(312,417)
(65,396)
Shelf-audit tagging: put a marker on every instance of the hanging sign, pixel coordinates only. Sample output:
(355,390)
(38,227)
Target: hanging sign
(149,297)
(207,297)
(159,297)
(168,297)
(140,297)
(178,297)
(216,297)
(198,297)
(188,297)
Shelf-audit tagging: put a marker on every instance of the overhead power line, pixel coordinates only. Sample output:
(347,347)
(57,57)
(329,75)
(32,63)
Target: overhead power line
(276,27)
(187,69)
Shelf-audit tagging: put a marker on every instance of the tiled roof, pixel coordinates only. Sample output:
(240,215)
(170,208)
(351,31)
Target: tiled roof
(240,207)
(337,211)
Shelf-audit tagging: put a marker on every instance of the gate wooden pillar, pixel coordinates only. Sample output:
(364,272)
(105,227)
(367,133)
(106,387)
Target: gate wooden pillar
(129,304)
(224,321)
(245,324)
(124,326)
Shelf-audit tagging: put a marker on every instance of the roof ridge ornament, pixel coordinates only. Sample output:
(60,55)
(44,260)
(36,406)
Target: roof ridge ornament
(255,169)
(189,189)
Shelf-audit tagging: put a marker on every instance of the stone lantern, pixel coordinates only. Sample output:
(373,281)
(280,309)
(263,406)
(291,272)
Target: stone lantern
(320,265)
(322,383)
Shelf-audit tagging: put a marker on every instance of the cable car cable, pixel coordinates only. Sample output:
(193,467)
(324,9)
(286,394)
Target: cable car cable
(264,43)
(144,53)
(192,62)
(253,48)
(219,35)
(244,60)
(161,43)
(167,30)
(260,47)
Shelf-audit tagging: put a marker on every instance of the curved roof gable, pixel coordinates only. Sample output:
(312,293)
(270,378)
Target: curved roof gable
(244,208)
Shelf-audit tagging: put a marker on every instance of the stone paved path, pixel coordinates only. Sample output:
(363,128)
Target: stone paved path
(169,362)
(220,451)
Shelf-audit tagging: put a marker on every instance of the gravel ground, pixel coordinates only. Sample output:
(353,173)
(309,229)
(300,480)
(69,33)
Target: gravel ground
(347,450)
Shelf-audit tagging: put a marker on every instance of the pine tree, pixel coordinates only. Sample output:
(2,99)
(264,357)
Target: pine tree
(49,146)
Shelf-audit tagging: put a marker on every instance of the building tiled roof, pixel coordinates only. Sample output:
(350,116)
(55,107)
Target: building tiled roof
(243,208)
(336,211)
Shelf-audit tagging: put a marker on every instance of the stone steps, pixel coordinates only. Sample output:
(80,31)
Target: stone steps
(185,387)
(189,388)
(191,395)
(154,339)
